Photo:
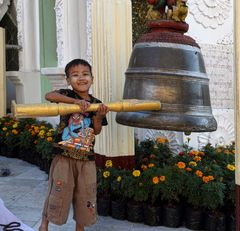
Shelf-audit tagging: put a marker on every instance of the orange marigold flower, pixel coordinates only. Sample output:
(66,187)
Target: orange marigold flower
(155,180)
(162,178)
(49,139)
(201,153)
(227,152)
(188,169)
(181,164)
(161,140)
(14,131)
(151,165)
(205,179)
(197,158)
(199,173)
(144,167)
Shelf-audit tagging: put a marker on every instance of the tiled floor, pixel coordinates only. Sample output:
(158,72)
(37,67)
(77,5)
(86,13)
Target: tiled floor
(23,193)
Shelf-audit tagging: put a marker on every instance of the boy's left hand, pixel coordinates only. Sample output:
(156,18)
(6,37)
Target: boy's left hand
(102,111)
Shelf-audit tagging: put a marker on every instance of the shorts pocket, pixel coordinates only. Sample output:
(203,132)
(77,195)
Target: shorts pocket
(54,207)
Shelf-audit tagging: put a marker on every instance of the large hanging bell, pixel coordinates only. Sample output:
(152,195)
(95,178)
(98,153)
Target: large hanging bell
(168,66)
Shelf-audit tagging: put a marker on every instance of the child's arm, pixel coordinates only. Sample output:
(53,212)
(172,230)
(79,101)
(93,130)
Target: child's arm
(97,119)
(56,97)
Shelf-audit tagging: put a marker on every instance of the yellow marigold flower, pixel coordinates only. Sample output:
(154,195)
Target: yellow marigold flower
(42,127)
(192,163)
(36,129)
(231,167)
(4,129)
(151,165)
(155,180)
(15,125)
(144,167)
(41,133)
(14,131)
(49,139)
(199,173)
(197,158)
(49,134)
(218,150)
(188,169)
(181,164)
(162,178)
(136,173)
(119,178)
(35,141)
(108,164)
(106,174)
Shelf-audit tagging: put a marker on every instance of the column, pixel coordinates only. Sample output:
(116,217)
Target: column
(237,108)
(111,49)
(2,73)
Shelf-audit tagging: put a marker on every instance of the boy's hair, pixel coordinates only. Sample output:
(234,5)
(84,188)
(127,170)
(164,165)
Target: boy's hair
(76,62)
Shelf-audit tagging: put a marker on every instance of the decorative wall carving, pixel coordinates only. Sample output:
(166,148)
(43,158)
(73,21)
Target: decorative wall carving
(210,13)
(174,138)
(223,136)
(60,32)
(89,30)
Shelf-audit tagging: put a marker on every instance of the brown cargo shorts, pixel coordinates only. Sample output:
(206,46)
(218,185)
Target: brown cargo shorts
(73,182)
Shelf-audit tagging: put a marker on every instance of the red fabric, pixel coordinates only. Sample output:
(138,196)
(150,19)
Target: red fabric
(126,162)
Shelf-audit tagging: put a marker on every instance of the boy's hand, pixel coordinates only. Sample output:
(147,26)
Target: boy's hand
(102,111)
(83,104)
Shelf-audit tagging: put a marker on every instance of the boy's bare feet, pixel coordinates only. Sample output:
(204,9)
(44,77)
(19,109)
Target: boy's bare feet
(44,224)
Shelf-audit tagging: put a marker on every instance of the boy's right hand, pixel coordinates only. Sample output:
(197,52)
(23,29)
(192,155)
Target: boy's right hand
(83,104)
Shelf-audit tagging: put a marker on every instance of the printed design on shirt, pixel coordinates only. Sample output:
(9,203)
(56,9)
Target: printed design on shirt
(78,134)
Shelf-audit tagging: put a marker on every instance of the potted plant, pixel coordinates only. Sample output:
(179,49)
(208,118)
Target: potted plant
(171,192)
(104,178)
(9,133)
(118,199)
(137,193)
(152,180)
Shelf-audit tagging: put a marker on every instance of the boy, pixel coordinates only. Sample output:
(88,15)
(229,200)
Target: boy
(72,177)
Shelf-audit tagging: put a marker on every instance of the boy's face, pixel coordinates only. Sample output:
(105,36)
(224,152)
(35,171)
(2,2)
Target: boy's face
(80,78)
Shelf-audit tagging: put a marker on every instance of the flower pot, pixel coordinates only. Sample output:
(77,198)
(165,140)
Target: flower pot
(103,206)
(152,215)
(9,151)
(194,218)
(231,222)
(172,216)
(215,222)
(135,211)
(118,209)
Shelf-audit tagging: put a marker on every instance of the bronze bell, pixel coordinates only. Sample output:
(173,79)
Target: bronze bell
(168,66)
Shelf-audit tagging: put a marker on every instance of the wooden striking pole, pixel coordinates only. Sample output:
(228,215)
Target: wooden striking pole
(53,109)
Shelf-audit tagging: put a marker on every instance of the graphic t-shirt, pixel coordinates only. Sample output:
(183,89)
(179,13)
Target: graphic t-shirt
(76,130)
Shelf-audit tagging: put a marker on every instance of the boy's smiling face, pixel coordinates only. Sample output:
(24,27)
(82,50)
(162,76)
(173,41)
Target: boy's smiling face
(80,78)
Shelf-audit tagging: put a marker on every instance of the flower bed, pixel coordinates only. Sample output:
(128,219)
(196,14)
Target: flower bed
(186,189)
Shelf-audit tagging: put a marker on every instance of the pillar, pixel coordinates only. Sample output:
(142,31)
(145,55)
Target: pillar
(237,109)
(2,73)
(111,49)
